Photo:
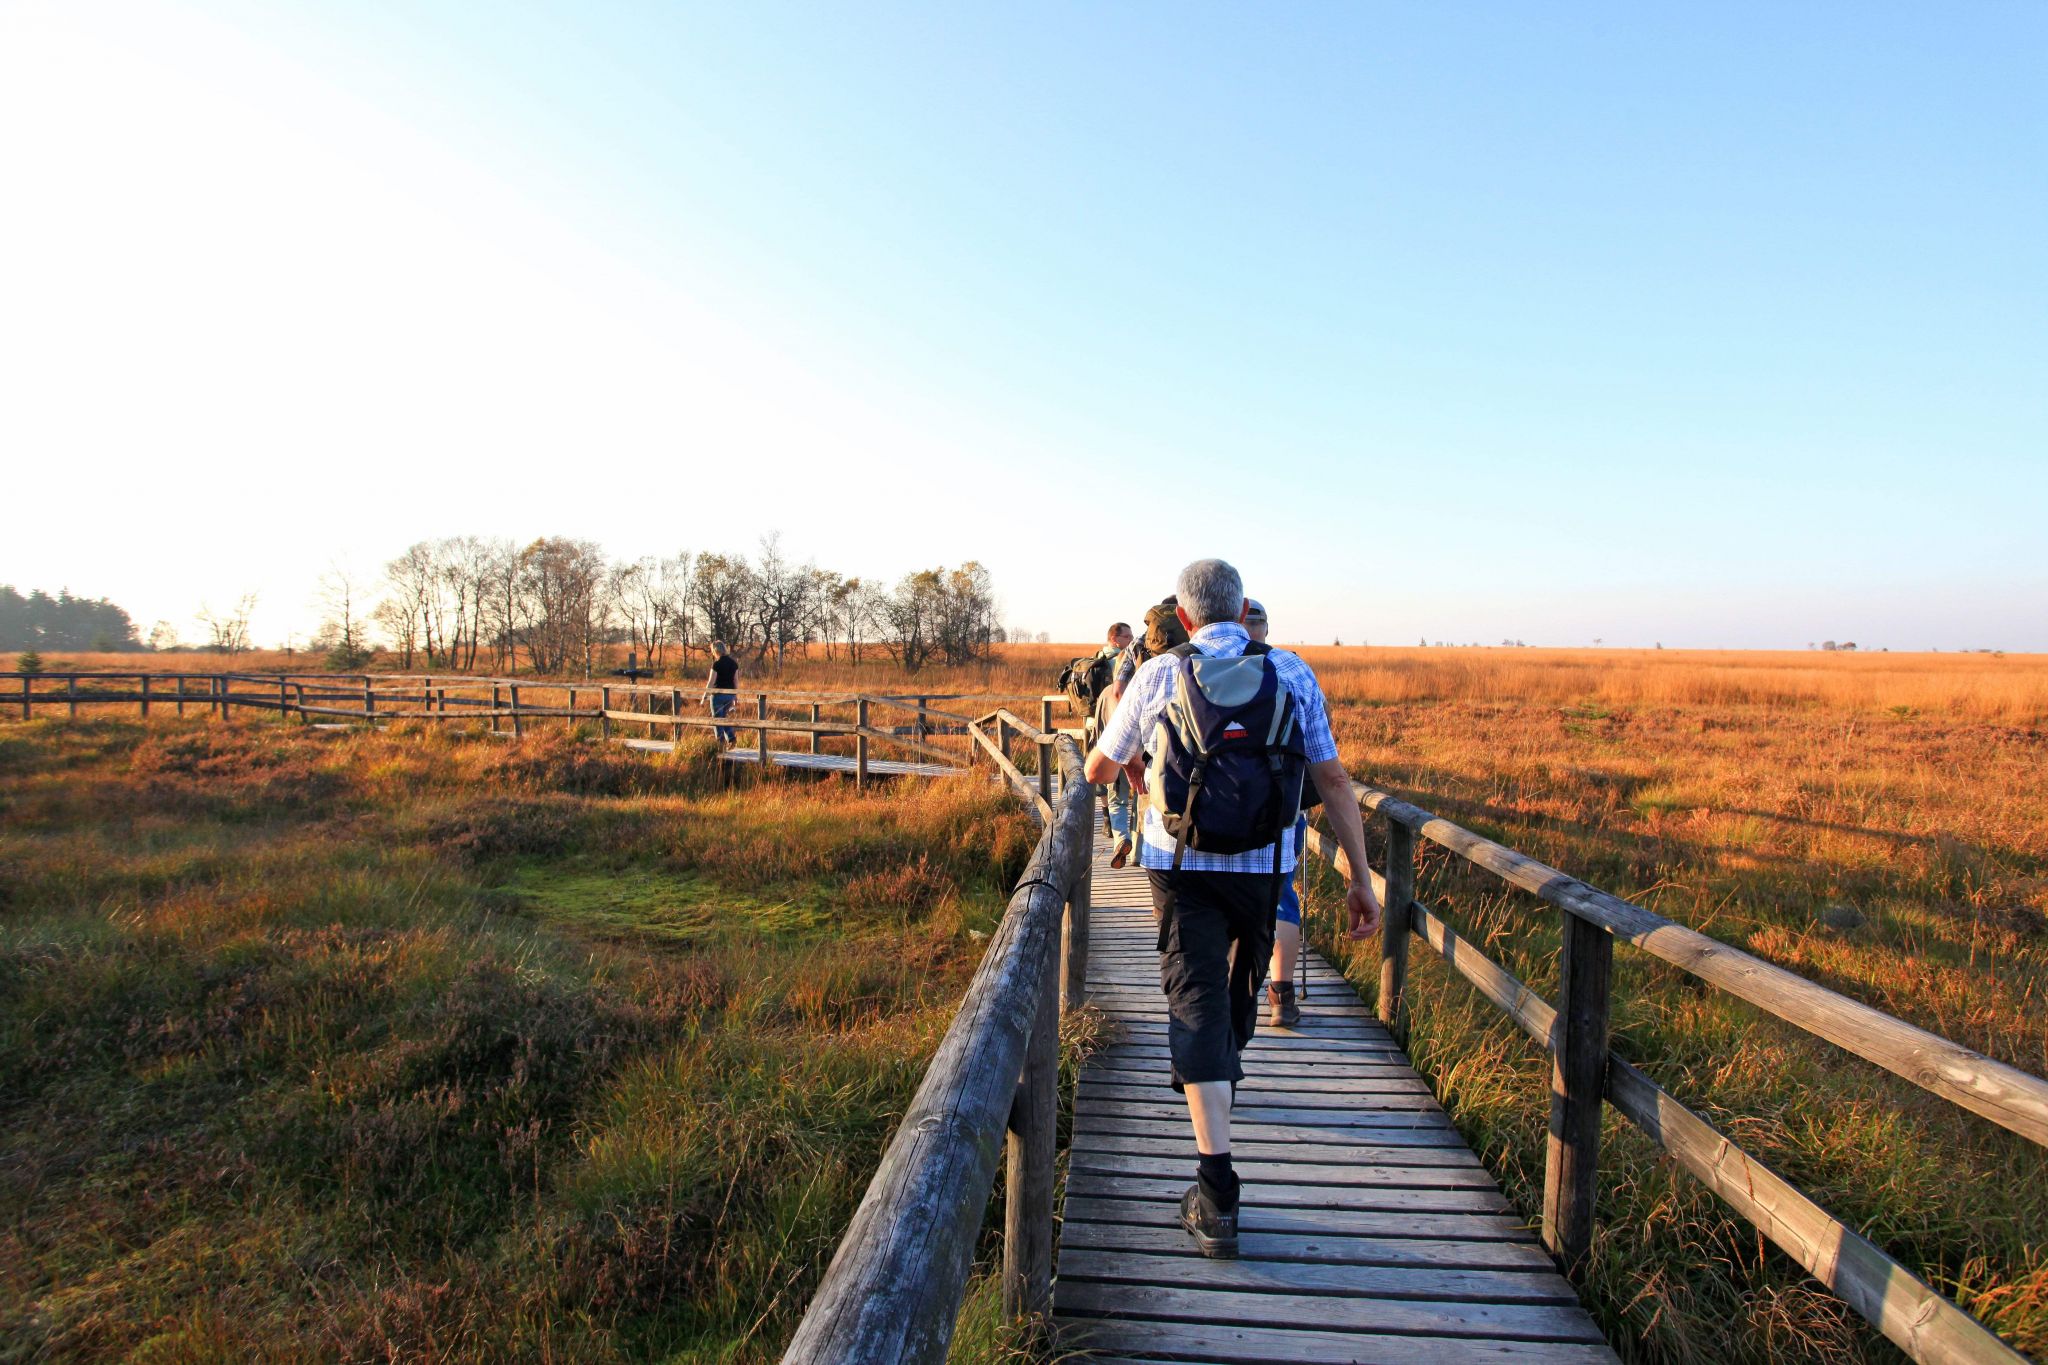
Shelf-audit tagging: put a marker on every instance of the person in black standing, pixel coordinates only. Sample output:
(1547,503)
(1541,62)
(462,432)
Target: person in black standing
(718,688)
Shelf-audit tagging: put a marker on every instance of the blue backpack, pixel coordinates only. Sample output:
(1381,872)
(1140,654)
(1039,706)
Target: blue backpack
(1227,761)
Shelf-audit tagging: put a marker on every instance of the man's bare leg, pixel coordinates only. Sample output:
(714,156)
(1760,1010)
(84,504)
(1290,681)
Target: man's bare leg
(1209,1107)
(1286,950)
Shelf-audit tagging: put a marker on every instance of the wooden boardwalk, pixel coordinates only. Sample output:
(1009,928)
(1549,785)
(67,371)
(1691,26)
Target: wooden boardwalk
(834,763)
(1370,1232)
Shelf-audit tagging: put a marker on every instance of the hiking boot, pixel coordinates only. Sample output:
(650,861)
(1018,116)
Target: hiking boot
(1214,1231)
(1123,852)
(1281,1009)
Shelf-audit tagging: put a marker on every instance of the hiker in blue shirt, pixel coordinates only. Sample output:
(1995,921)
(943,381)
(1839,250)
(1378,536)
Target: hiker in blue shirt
(1282,1009)
(1216,907)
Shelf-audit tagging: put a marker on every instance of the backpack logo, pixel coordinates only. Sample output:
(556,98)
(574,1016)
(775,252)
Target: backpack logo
(1235,731)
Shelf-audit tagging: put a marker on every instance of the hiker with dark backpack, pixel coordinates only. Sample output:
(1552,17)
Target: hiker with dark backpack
(1233,731)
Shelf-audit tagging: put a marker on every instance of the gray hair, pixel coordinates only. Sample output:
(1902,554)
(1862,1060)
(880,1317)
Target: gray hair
(1210,591)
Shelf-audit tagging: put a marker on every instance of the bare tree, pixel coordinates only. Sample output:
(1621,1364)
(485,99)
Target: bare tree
(561,602)
(722,591)
(781,599)
(342,628)
(227,632)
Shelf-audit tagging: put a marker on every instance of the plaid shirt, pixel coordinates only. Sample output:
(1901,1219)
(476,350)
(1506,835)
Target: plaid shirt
(1152,687)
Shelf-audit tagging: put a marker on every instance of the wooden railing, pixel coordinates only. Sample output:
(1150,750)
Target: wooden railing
(1584,1072)
(893,1290)
(510,705)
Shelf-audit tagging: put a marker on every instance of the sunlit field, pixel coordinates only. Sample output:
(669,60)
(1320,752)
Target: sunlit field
(1877,822)
(423,1046)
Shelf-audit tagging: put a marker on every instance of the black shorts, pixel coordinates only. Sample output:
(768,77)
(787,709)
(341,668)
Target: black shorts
(1215,939)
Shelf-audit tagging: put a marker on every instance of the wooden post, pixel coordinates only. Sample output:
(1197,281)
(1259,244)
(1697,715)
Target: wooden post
(860,744)
(572,708)
(284,701)
(761,735)
(426,694)
(816,711)
(1578,1077)
(518,721)
(604,706)
(918,726)
(369,704)
(1393,1009)
(220,695)
(299,696)
(1027,1200)
(495,699)
(71,691)
(1003,736)
(26,704)
(145,693)
(1045,766)
(181,695)
(1074,939)
(675,712)
(1045,714)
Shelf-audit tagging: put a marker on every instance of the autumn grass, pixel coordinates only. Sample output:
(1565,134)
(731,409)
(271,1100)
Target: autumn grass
(1875,822)
(425,1046)
(1894,851)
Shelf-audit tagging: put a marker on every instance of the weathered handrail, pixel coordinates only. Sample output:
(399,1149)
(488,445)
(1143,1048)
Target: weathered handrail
(1905,1308)
(893,1289)
(376,698)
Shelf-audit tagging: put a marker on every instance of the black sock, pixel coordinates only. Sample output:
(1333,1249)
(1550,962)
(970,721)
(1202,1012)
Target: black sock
(1218,1180)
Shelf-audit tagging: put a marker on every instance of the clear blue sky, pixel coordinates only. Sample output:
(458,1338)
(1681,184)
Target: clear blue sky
(1714,325)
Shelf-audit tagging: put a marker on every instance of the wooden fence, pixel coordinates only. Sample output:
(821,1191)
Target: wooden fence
(1584,1072)
(893,1290)
(907,723)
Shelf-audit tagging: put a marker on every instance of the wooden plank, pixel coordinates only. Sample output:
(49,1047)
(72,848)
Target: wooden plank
(1296,1220)
(1172,1122)
(1258,1084)
(1320,1248)
(1162,1141)
(1429,1283)
(1255,1169)
(1167,1190)
(1518,1322)
(1223,1345)
(1151,1102)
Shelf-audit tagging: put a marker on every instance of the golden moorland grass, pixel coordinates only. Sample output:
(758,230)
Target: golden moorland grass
(1877,822)
(421,1046)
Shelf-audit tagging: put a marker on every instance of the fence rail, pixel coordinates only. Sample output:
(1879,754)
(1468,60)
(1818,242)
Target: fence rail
(893,1290)
(511,704)
(1585,1073)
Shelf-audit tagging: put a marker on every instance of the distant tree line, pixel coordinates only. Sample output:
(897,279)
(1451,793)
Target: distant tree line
(557,605)
(39,621)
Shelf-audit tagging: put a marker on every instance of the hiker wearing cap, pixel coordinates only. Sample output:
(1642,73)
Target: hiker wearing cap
(1234,730)
(1283,1010)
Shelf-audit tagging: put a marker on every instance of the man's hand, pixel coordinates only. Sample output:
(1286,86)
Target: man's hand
(1364,908)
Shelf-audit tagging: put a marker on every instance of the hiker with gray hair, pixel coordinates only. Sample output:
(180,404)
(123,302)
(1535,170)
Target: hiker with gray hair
(1218,737)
